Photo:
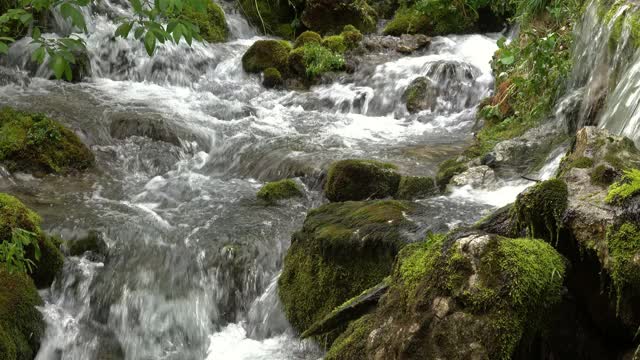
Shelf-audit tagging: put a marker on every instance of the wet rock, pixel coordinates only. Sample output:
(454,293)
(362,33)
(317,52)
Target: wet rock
(39,145)
(478,177)
(271,78)
(21,324)
(465,296)
(273,17)
(93,242)
(447,170)
(361,180)
(416,187)
(264,54)
(152,126)
(405,44)
(420,95)
(15,76)
(279,190)
(330,16)
(341,250)
(500,222)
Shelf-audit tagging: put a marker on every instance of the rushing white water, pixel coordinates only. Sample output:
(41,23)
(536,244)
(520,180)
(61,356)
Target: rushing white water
(193,257)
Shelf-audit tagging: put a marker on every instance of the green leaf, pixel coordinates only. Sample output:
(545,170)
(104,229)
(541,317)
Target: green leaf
(58,66)
(163,5)
(136,5)
(38,55)
(138,33)
(35,34)
(124,29)
(177,33)
(71,12)
(67,72)
(4,48)
(149,42)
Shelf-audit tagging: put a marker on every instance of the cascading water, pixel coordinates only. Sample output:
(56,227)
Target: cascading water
(193,257)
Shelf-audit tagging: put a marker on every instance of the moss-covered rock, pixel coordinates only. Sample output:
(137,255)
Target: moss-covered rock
(335,43)
(330,16)
(271,78)
(407,20)
(467,296)
(279,190)
(307,37)
(416,187)
(35,143)
(15,216)
(341,250)
(272,16)
(540,209)
(351,36)
(625,189)
(420,95)
(264,54)
(447,170)
(212,23)
(361,180)
(21,324)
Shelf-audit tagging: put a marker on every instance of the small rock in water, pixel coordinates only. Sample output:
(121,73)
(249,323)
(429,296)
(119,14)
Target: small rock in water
(152,126)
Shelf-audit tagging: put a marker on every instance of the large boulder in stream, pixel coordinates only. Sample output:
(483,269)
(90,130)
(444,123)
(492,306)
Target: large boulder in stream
(20,224)
(330,16)
(341,250)
(21,324)
(265,54)
(34,143)
(468,295)
(361,180)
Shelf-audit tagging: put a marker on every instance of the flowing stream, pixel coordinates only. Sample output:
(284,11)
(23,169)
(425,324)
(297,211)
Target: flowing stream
(193,257)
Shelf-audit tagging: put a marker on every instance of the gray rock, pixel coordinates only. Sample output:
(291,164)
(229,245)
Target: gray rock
(477,177)
(150,125)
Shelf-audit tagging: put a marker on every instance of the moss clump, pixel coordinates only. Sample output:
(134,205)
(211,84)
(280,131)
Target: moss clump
(307,37)
(603,175)
(15,215)
(623,242)
(540,209)
(313,60)
(35,143)
(342,250)
(624,189)
(416,187)
(212,23)
(582,162)
(488,306)
(335,43)
(351,36)
(21,324)
(447,170)
(271,78)
(361,180)
(264,54)
(407,20)
(279,190)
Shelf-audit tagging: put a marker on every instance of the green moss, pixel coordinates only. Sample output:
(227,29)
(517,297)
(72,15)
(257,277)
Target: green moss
(279,190)
(21,324)
(360,180)
(416,187)
(351,36)
(447,170)
(540,209)
(35,143)
(624,189)
(407,20)
(15,215)
(416,261)
(307,37)
(599,176)
(212,23)
(582,162)
(313,60)
(351,344)
(271,78)
(264,54)
(335,43)
(330,17)
(342,250)
(623,242)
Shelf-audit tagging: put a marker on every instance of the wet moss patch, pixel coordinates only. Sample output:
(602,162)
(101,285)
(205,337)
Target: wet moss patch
(212,23)
(540,209)
(624,189)
(361,180)
(279,190)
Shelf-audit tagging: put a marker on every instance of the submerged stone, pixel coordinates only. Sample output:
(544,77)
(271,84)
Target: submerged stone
(279,190)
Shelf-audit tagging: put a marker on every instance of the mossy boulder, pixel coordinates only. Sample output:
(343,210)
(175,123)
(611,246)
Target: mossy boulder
(307,37)
(212,23)
(341,250)
(540,209)
(272,16)
(462,296)
(330,16)
(34,143)
(361,180)
(279,190)
(447,170)
(271,78)
(21,324)
(420,95)
(264,54)
(335,43)
(416,187)
(407,20)
(15,216)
